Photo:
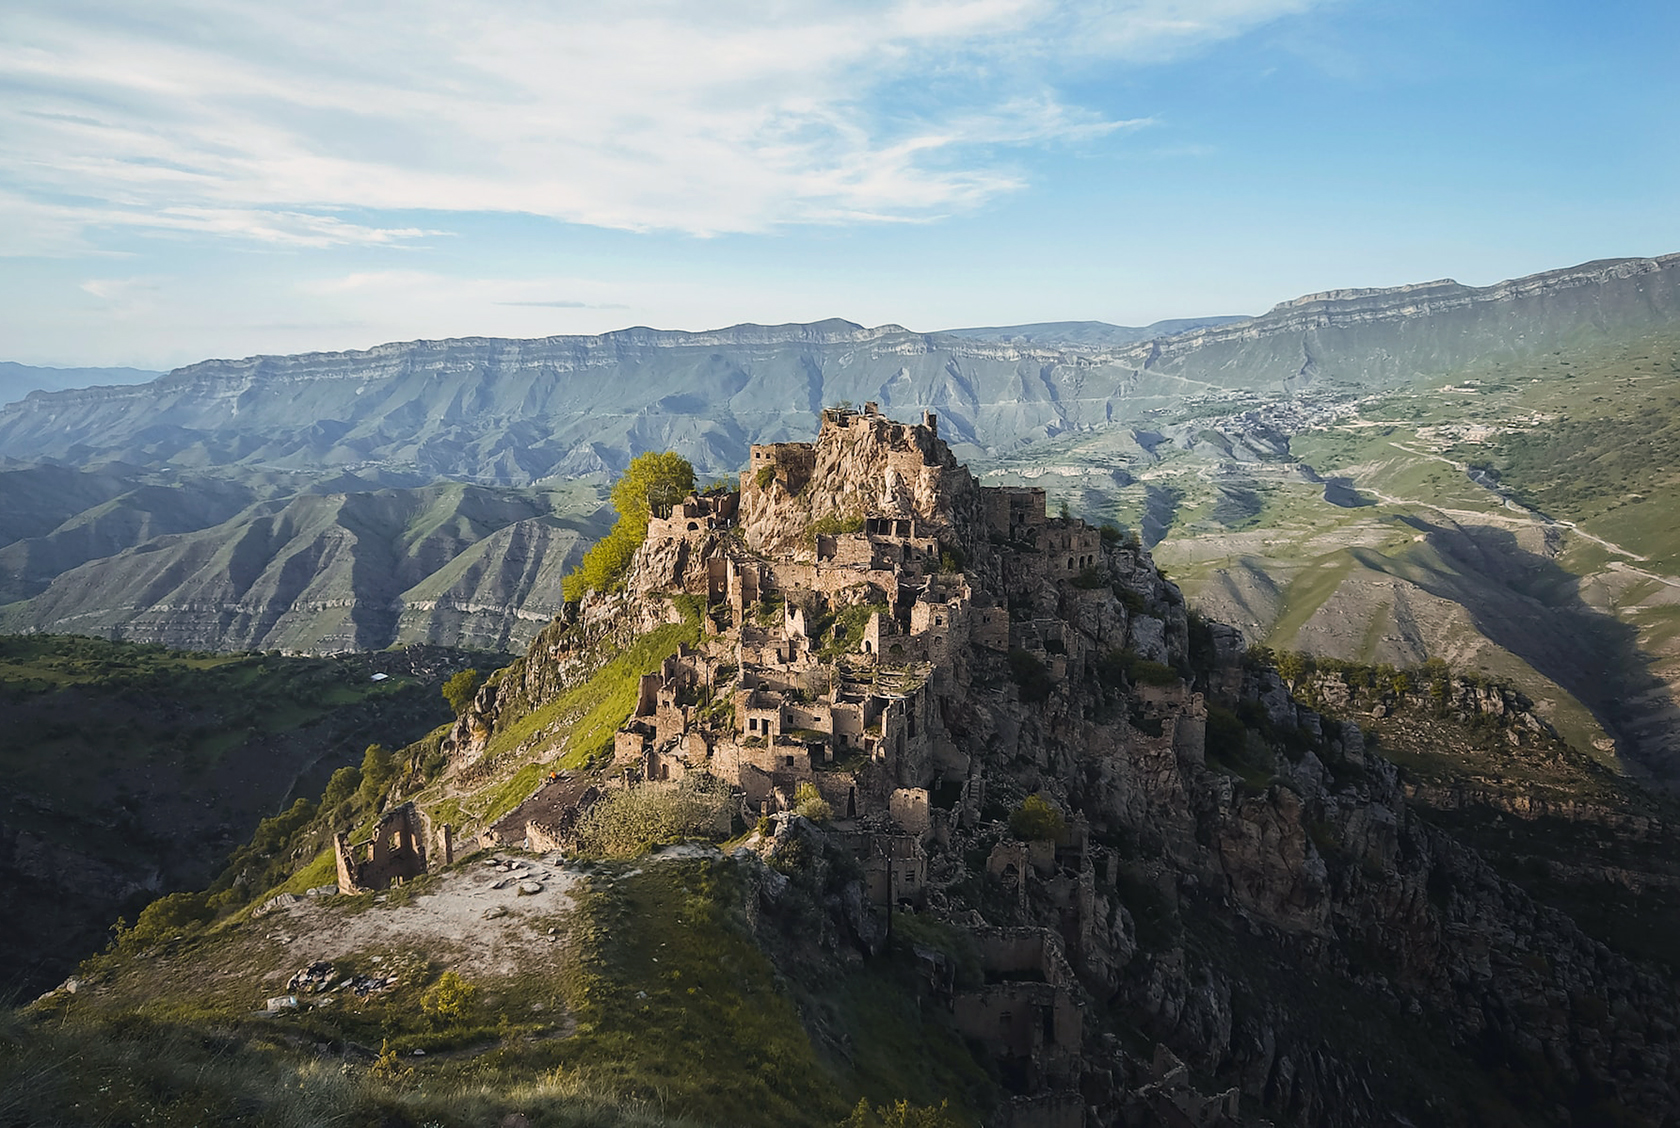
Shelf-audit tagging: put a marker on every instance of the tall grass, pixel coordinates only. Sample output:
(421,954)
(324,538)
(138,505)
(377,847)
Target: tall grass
(129,1071)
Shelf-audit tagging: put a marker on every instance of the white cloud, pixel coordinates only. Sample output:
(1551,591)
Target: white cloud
(267,122)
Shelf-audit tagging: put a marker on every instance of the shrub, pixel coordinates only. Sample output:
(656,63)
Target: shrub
(902,1114)
(1146,672)
(449,999)
(1089,579)
(388,1067)
(1114,665)
(834,524)
(1036,819)
(765,475)
(1133,602)
(177,912)
(809,803)
(626,823)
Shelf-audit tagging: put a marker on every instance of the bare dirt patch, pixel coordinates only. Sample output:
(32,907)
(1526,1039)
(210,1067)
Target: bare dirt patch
(486,917)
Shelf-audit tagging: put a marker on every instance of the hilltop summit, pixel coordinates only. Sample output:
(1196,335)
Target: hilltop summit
(921,655)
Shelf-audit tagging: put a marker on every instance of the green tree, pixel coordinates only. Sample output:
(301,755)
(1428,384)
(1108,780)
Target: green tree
(652,484)
(460,690)
(379,768)
(340,787)
(1036,819)
(1294,666)
(176,912)
(809,803)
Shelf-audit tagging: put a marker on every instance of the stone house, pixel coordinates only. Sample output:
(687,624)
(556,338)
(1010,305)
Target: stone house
(396,852)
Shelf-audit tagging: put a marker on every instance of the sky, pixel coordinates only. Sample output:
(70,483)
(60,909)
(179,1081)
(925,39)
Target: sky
(187,179)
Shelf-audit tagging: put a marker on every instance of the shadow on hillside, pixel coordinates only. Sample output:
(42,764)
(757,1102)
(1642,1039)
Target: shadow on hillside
(1160,510)
(1527,604)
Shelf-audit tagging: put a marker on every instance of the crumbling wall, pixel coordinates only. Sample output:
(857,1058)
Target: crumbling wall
(396,852)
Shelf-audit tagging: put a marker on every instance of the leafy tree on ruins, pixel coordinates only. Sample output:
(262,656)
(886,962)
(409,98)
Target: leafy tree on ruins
(651,485)
(1036,819)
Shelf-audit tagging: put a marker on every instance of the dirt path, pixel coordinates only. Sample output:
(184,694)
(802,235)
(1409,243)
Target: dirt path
(1531,515)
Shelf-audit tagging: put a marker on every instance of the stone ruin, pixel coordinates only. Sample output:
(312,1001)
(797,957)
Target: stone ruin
(849,590)
(396,852)
(764,704)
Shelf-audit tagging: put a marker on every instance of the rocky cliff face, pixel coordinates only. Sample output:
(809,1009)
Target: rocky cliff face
(516,411)
(1240,881)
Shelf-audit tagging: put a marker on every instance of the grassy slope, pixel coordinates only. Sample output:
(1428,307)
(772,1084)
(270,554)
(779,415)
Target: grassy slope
(659,1007)
(129,766)
(1588,434)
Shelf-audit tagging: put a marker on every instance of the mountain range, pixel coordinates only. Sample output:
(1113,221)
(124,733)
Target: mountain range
(1096,334)
(18,380)
(516,411)
(1383,475)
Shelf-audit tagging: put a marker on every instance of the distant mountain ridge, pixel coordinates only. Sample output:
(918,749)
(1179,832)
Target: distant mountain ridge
(1088,333)
(321,502)
(19,380)
(517,411)
(205,563)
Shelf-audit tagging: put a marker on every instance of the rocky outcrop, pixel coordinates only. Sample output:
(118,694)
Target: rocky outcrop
(1239,877)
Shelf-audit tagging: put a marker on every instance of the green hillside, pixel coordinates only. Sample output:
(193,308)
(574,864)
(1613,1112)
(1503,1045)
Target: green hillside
(131,770)
(219,564)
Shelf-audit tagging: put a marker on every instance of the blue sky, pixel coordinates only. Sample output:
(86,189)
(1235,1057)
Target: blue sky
(194,178)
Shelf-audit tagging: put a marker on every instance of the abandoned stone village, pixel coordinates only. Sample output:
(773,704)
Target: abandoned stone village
(854,589)
(906,657)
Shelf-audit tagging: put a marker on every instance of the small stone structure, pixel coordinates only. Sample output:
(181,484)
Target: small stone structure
(395,853)
(1026,1013)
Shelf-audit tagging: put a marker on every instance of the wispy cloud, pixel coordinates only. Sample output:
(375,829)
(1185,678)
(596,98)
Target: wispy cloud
(127,297)
(268,123)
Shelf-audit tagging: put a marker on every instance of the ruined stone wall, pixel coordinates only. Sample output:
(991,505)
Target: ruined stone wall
(895,869)
(908,807)
(865,463)
(396,851)
(1011,511)
(989,627)
(792,463)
